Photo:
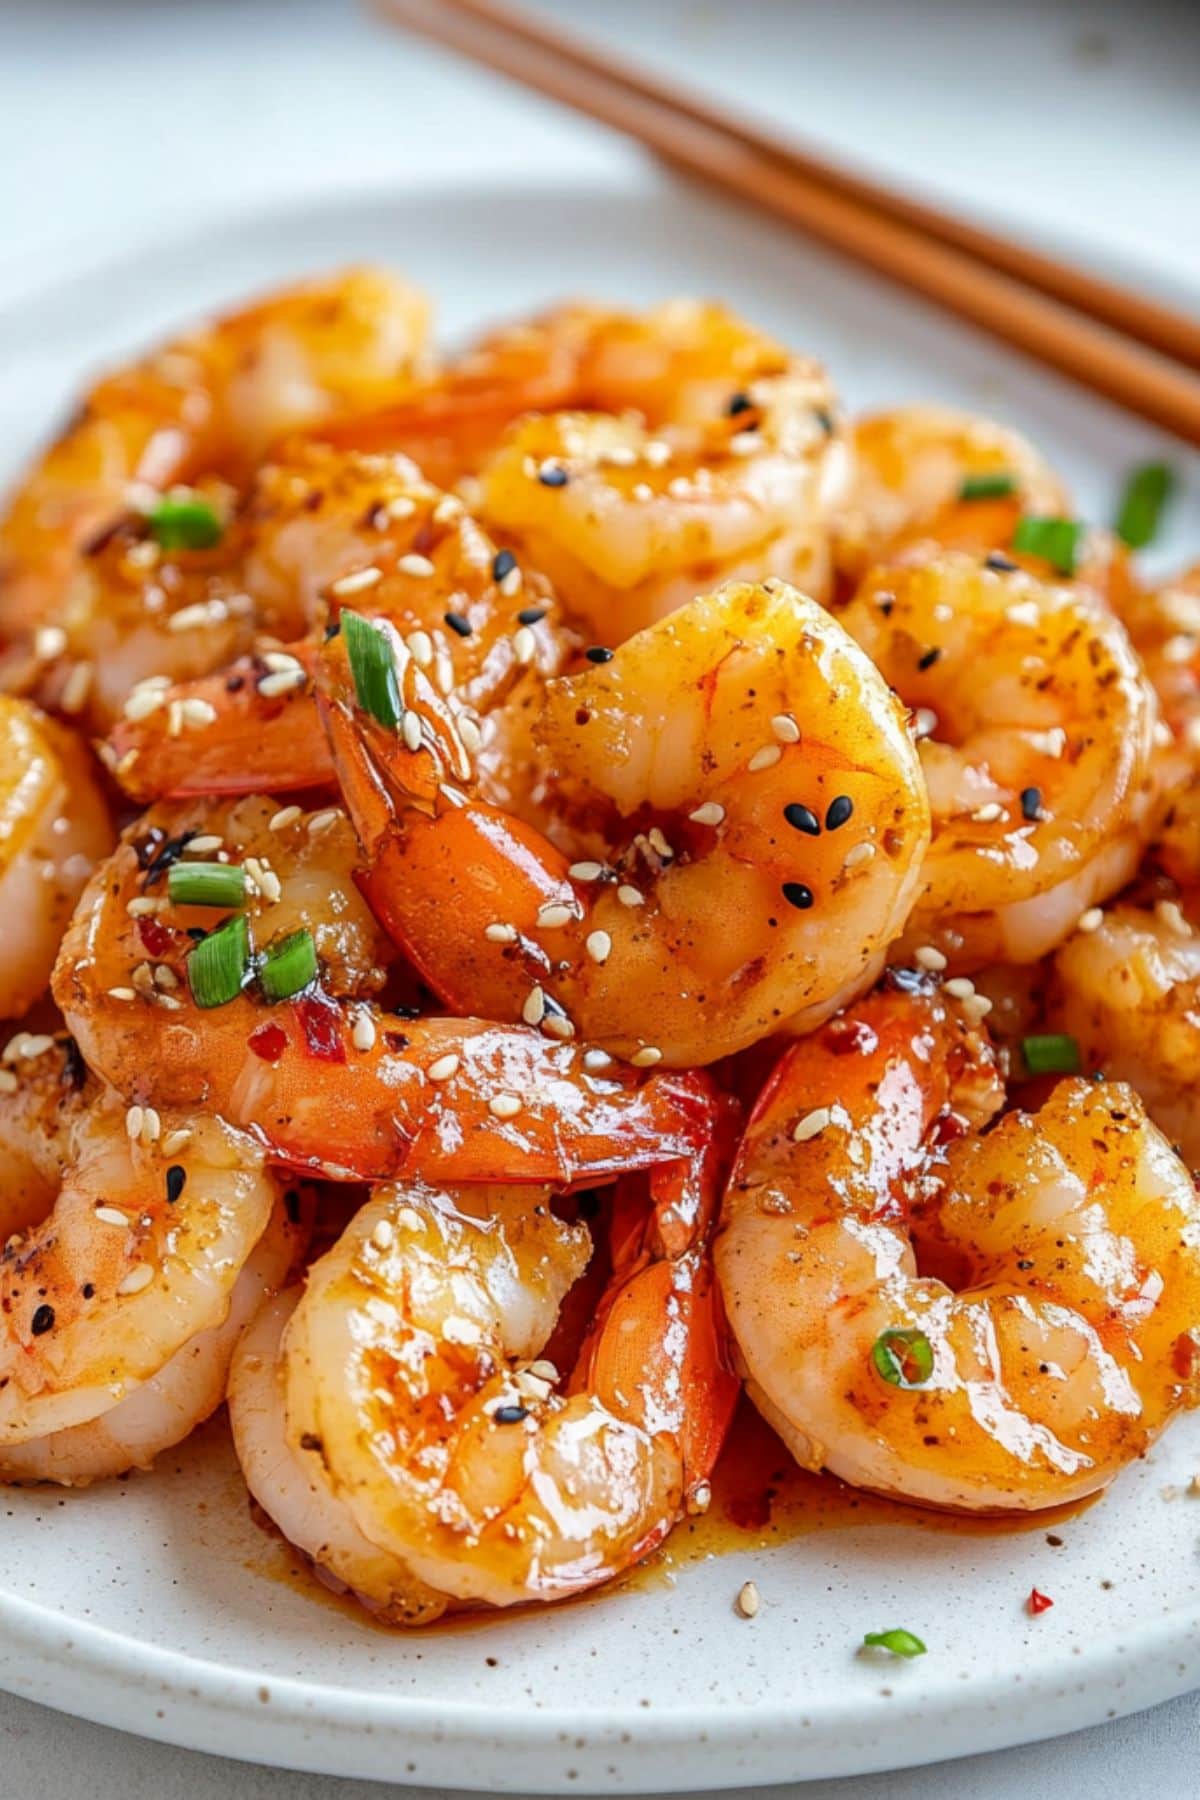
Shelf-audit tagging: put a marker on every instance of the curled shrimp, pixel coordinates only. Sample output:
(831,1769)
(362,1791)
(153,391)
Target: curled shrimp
(326,1077)
(54,827)
(992,1323)
(324,529)
(658,454)
(1036,733)
(745,818)
(128,1280)
(210,403)
(421,1450)
(1164,625)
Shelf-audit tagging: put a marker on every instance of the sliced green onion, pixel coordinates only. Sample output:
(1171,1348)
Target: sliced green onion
(996,486)
(207,884)
(373,670)
(217,966)
(903,1356)
(1057,540)
(898,1641)
(288,966)
(1051,1053)
(184,524)
(1146,493)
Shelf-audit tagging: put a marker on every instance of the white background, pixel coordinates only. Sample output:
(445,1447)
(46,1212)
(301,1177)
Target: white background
(1078,124)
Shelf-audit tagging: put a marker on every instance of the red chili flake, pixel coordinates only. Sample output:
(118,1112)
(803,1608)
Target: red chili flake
(157,940)
(847,1037)
(269,1042)
(322,1035)
(1039,1603)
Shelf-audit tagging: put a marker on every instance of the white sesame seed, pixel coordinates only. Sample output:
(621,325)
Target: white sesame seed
(444,1067)
(280,662)
(619,456)
(272,686)
(176,1140)
(168,1003)
(49,641)
(710,813)
(659,843)
(134,1120)
(858,854)
(1172,917)
(594,1061)
(811,1124)
(927,957)
(165,977)
(139,1277)
(766,758)
(500,933)
(586,871)
(362,1033)
(1179,649)
(785,728)
(1091,920)
(287,815)
(121,993)
(360,579)
(415,564)
(557,1025)
(108,1215)
(411,731)
(748,1600)
(321,821)
(504,1106)
(656,453)
(598,946)
(924,722)
(384,1234)
(960,987)
(471,735)
(1023,612)
(408,1219)
(643,491)
(151,1125)
(76,688)
(524,644)
(420,648)
(646,1057)
(530,1387)
(142,702)
(744,443)
(1161,733)
(402,507)
(443,672)
(144,904)
(197,712)
(510,584)
(203,612)
(448,509)
(699,1499)
(534,1009)
(976,1008)
(630,896)
(554,914)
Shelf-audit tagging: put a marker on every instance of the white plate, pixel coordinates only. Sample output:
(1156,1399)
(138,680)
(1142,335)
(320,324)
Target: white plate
(158,1606)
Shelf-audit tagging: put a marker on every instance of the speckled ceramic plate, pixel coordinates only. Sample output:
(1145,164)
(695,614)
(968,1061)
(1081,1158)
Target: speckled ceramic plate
(158,1606)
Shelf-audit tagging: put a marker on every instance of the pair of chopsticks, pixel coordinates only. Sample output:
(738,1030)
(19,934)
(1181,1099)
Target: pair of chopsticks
(1143,356)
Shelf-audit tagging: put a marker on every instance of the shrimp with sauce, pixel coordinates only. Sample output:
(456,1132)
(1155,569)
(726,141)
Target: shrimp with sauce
(990,1322)
(1036,727)
(403,1427)
(745,820)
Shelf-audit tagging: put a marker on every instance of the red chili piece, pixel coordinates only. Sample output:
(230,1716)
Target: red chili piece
(1039,1603)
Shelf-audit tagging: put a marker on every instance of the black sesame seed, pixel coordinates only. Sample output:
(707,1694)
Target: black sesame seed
(88,1289)
(1000,564)
(531,615)
(168,852)
(176,1182)
(332,629)
(510,1415)
(738,403)
(1031,803)
(598,654)
(885,607)
(928,659)
(797,895)
(74,1069)
(457,622)
(839,811)
(503,563)
(197,933)
(43,1320)
(802,819)
(824,420)
(234,684)
(553,475)
(1024,1262)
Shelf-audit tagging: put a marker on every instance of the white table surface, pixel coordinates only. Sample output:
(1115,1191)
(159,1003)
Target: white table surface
(120,118)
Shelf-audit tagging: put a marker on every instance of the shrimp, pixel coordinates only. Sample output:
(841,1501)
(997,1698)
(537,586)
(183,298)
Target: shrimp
(647,455)
(422,1421)
(41,1074)
(54,827)
(1039,771)
(1126,988)
(1165,628)
(993,1322)
(702,903)
(210,403)
(154,1220)
(321,527)
(323,1075)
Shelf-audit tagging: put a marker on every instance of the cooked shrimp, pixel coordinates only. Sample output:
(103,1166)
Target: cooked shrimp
(1037,728)
(746,819)
(153,1222)
(1126,987)
(992,1323)
(54,827)
(209,403)
(41,1074)
(1165,628)
(659,453)
(323,1075)
(324,529)
(422,1422)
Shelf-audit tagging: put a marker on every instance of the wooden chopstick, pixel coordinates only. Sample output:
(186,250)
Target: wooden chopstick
(703,142)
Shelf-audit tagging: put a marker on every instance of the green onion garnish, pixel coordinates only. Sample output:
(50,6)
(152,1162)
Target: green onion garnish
(217,965)
(184,524)
(1146,493)
(288,966)
(1057,540)
(898,1641)
(903,1356)
(207,884)
(997,486)
(1051,1053)
(373,670)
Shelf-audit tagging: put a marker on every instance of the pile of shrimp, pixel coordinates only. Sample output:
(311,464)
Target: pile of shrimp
(548,887)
